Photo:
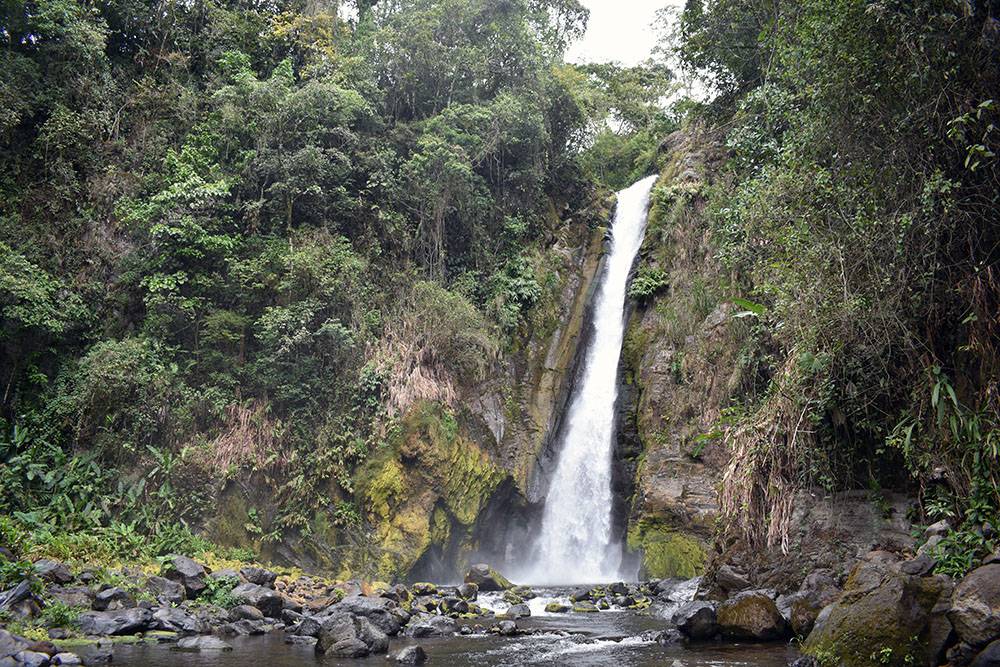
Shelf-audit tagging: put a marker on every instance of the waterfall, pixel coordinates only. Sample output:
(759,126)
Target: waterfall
(575,544)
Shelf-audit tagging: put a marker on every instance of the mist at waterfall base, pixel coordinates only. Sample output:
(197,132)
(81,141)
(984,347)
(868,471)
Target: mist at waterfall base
(575,542)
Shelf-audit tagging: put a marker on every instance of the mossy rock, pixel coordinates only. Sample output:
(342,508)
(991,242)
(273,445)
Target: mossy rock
(752,615)
(556,608)
(883,617)
(585,607)
(510,597)
(667,553)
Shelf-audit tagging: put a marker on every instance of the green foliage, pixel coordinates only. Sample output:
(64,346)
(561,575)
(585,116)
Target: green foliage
(647,283)
(219,591)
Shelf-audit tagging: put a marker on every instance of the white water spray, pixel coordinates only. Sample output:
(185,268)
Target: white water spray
(575,541)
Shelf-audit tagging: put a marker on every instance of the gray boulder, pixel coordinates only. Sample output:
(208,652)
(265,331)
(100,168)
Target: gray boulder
(507,628)
(175,619)
(989,656)
(11,644)
(114,598)
(259,576)
(411,655)
(431,626)
(120,622)
(975,606)
(165,590)
(379,611)
(468,592)
(66,659)
(203,643)
(731,580)
(345,635)
(187,573)
(53,571)
(516,611)
(72,596)
(31,659)
(697,620)
(268,601)
(248,612)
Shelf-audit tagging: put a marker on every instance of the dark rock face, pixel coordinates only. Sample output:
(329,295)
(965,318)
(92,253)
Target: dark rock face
(379,611)
(187,573)
(988,657)
(411,655)
(752,615)
(697,620)
(975,606)
(731,580)
(348,636)
(884,607)
(487,579)
(165,590)
(53,571)
(259,576)
(269,602)
(431,626)
(121,622)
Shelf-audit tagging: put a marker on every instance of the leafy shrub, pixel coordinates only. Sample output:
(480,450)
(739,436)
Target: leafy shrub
(648,282)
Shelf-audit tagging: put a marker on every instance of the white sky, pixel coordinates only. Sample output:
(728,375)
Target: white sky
(619,30)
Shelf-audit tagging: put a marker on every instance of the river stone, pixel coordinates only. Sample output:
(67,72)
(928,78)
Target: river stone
(72,596)
(268,601)
(379,611)
(187,573)
(487,579)
(883,607)
(989,656)
(507,628)
(259,576)
(111,599)
(249,612)
(31,659)
(519,611)
(345,635)
(165,590)
(585,607)
(203,643)
(121,622)
(431,626)
(510,597)
(730,580)
(11,644)
(175,619)
(751,615)
(556,608)
(411,655)
(697,620)
(66,659)
(468,592)
(53,571)
(975,606)
(580,594)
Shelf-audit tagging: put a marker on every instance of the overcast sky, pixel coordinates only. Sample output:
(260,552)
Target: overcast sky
(619,30)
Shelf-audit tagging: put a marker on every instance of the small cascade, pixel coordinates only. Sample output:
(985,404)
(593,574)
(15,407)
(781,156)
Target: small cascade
(575,543)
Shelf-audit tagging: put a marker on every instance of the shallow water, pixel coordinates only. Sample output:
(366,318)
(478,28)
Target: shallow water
(605,638)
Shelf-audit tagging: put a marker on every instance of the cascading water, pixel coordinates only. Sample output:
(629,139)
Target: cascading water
(575,541)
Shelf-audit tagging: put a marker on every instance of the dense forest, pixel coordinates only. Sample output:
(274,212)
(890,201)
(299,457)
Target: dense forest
(249,242)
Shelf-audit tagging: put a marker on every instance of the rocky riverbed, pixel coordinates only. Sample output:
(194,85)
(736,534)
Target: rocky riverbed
(889,610)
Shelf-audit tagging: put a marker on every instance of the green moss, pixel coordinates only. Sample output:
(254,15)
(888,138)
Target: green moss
(665,552)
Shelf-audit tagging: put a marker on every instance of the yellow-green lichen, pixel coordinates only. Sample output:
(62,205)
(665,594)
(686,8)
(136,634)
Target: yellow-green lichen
(666,552)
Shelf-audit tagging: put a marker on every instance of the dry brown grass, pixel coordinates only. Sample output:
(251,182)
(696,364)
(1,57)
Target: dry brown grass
(249,439)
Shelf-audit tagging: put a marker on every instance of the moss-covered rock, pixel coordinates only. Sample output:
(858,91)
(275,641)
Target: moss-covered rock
(752,615)
(666,552)
(884,617)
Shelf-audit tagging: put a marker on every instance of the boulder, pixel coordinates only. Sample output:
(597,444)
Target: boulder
(752,615)
(585,607)
(468,592)
(268,601)
(556,608)
(245,611)
(187,573)
(431,626)
(989,656)
(345,635)
(53,571)
(487,579)
(697,620)
(175,619)
(379,611)
(259,576)
(111,599)
(580,594)
(165,590)
(225,574)
(20,593)
(11,644)
(519,611)
(411,655)
(72,596)
(426,588)
(31,659)
(975,606)
(120,622)
(882,607)
(507,628)
(730,580)
(66,659)
(203,643)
